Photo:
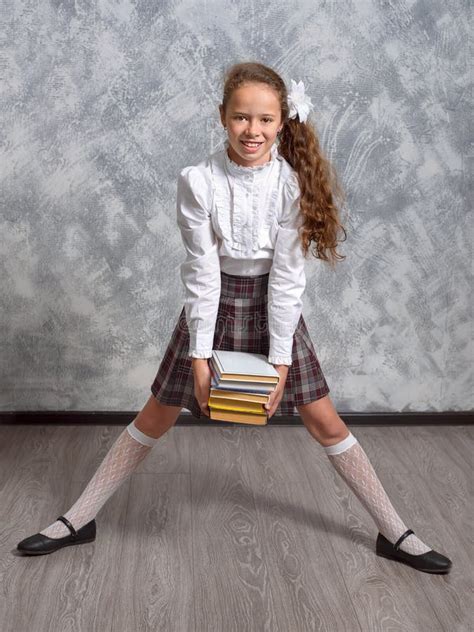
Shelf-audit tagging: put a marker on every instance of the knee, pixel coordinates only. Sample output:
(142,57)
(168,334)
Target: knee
(323,422)
(327,433)
(156,418)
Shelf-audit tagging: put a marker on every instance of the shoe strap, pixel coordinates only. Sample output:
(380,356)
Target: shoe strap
(69,526)
(401,538)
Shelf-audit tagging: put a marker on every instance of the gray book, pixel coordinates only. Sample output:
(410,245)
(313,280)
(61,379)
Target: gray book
(240,365)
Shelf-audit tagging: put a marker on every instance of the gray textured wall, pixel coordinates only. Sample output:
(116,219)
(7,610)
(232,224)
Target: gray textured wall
(102,103)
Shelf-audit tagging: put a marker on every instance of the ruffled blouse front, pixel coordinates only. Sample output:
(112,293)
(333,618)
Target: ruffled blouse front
(244,221)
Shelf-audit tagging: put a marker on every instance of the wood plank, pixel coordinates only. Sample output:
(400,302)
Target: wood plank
(155,562)
(232,581)
(309,591)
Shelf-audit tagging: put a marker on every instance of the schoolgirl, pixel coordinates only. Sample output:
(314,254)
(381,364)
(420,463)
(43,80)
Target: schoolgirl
(249,214)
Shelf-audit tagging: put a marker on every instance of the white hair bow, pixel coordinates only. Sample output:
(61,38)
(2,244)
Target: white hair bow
(299,103)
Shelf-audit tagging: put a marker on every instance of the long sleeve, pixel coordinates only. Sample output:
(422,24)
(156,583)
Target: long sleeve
(287,280)
(200,272)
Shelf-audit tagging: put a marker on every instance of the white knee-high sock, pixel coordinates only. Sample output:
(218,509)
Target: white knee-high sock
(128,450)
(352,463)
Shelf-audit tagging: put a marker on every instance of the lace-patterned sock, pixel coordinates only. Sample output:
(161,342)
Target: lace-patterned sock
(352,463)
(129,449)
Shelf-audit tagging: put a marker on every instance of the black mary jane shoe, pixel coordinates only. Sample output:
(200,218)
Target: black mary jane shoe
(40,544)
(429,562)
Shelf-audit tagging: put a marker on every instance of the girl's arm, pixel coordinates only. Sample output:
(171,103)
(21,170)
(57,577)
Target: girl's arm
(287,280)
(200,272)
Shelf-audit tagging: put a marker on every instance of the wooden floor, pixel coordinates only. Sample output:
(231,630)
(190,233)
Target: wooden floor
(232,528)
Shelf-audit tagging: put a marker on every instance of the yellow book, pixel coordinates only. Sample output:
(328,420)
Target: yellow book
(242,418)
(241,396)
(237,405)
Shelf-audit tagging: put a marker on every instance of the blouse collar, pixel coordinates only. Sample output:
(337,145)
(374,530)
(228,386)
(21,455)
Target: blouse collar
(239,170)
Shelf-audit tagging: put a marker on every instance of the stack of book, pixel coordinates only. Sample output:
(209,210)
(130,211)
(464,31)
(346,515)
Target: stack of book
(241,386)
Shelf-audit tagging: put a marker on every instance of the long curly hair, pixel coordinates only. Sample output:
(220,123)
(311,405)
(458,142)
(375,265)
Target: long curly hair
(321,192)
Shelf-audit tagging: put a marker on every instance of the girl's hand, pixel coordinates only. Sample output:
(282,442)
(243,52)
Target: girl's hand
(202,384)
(277,394)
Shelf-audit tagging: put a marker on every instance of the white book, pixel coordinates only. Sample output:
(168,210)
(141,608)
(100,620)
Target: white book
(232,364)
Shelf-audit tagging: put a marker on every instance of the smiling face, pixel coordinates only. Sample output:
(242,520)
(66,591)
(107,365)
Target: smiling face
(252,114)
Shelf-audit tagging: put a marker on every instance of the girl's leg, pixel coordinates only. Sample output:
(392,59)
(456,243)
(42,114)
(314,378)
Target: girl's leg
(352,463)
(128,450)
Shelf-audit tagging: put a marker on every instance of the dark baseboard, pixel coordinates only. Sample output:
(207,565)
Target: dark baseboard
(110,418)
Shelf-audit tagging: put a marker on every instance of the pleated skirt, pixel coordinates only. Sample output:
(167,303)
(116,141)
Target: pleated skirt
(241,325)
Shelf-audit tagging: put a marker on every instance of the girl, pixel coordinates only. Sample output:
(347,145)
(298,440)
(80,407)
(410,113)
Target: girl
(249,215)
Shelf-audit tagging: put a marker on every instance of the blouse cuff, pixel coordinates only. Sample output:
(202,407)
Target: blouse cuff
(280,360)
(200,354)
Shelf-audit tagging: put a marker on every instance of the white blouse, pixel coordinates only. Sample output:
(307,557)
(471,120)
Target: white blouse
(243,221)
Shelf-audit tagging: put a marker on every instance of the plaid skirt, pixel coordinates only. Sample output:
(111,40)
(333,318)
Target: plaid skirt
(241,325)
